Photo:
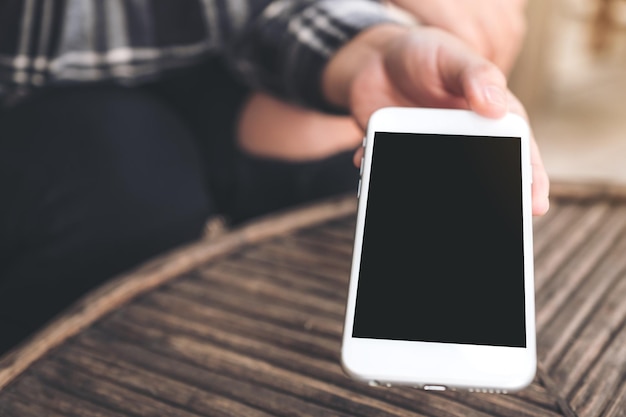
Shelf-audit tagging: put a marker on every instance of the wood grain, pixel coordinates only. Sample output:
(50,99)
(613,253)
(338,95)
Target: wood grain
(249,324)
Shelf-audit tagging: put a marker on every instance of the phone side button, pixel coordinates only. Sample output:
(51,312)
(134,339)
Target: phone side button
(434,388)
(358,190)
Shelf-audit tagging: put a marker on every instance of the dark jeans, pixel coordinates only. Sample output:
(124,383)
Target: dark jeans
(94,180)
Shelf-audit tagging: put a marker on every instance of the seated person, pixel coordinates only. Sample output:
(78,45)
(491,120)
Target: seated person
(119,129)
(271,128)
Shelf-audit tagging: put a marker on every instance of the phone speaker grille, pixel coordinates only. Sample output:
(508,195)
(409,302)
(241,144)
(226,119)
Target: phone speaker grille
(488,390)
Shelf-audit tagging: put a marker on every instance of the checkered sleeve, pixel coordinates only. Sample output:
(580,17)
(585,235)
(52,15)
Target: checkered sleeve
(48,41)
(280,46)
(285,49)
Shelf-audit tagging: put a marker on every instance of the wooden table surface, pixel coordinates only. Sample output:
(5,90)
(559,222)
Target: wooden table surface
(249,324)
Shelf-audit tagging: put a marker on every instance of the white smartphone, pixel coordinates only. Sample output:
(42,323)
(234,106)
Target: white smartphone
(441,292)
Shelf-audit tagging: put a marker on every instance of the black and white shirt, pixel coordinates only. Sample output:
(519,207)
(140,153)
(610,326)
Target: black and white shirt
(280,46)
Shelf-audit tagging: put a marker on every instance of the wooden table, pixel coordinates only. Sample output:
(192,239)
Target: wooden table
(249,324)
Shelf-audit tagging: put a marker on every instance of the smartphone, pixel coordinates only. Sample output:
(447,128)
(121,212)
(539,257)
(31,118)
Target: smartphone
(441,292)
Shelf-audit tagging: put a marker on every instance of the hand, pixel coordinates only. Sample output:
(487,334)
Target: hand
(389,65)
(493,28)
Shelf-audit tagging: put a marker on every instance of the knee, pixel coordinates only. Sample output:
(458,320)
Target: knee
(108,177)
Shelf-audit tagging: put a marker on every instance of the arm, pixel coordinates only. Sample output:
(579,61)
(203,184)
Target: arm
(363,61)
(284,48)
(280,46)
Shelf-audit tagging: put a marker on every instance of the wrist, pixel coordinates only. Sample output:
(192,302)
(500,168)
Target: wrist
(371,44)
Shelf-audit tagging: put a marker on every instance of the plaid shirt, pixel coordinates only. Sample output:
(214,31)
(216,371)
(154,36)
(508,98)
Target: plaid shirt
(280,46)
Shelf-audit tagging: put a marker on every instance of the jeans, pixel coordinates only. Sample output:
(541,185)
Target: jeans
(96,179)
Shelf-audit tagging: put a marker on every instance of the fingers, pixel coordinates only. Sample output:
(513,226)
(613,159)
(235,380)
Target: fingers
(507,23)
(427,67)
(357,157)
(442,68)
(485,89)
(431,68)
(495,29)
(541,182)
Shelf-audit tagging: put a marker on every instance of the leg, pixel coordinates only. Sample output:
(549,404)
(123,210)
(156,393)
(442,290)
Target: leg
(97,180)
(265,185)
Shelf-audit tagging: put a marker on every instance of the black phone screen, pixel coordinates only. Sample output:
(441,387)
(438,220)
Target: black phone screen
(442,254)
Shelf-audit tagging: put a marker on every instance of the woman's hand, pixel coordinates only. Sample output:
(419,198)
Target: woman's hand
(493,28)
(390,65)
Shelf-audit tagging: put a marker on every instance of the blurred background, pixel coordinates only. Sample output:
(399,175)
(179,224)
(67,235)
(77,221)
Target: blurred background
(571,76)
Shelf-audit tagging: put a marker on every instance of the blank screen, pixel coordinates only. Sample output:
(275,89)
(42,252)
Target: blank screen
(442,256)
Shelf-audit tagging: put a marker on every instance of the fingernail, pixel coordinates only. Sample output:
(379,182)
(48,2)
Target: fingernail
(495,95)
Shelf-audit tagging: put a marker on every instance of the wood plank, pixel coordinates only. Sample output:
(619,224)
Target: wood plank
(230,380)
(588,191)
(253,350)
(268,366)
(263,289)
(600,385)
(617,408)
(538,394)
(550,258)
(560,218)
(303,339)
(15,406)
(247,305)
(505,405)
(566,325)
(338,250)
(127,377)
(121,290)
(299,261)
(603,324)
(280,276)
(140,323)
(51,399)
(78,382)
(341,231)
(576,267)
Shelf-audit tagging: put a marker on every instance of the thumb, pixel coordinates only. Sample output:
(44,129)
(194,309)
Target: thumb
(469,75)
(484,87)
(479,81)
(435,69)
